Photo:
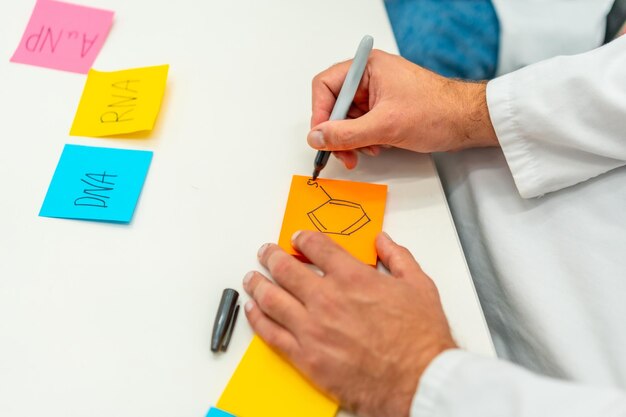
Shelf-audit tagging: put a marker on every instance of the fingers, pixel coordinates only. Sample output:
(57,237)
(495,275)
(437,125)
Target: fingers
(271,332)
(371,150)
(349,158)
(325,88)
(323,252)
(339,135)
(396,258)
(288,272)
(275,302)
(361,130)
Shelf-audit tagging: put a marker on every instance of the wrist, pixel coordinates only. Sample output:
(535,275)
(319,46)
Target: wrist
(405,387)
(474,125)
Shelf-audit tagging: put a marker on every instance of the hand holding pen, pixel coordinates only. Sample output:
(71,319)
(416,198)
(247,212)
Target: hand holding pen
(346,94)
(398,104)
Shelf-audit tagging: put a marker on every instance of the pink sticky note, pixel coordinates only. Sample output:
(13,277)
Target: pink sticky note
(63,36)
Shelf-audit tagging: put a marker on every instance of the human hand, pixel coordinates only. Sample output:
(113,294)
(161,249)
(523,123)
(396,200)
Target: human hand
(362,336)
(402,105)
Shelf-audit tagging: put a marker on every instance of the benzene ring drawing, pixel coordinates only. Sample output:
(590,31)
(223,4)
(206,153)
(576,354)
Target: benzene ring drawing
(339,217)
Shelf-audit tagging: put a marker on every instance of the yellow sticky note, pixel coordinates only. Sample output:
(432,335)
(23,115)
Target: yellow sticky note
(265,385)
(120,102)
(351,213)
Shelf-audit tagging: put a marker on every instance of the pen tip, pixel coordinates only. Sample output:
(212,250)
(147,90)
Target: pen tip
(315,174)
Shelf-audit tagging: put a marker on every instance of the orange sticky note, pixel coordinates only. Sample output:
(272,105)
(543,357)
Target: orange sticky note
(350,213)
(265,385)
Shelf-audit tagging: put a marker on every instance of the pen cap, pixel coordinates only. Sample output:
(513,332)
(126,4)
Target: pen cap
(223,318)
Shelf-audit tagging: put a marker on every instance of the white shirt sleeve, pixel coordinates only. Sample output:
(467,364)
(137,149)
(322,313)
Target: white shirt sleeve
(461,384)
(561,121)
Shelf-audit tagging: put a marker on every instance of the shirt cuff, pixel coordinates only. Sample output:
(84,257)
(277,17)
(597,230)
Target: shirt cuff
(427,399)
(517,150)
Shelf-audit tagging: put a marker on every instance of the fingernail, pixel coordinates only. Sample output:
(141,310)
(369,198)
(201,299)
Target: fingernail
(295,236)
(247,278)
(387,236)
(262,250)
(248,306)
(316,139)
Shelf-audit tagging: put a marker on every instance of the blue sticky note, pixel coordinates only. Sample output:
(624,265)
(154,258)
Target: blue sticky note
(215,412)
(92,183)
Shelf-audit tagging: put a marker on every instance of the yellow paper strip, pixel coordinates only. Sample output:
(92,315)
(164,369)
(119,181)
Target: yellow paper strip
(265,385)
(119,102)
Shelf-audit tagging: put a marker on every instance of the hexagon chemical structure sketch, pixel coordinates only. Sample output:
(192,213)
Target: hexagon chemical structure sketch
(339,217)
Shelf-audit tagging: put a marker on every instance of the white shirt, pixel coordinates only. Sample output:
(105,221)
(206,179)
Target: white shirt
(532,30)
(550,271)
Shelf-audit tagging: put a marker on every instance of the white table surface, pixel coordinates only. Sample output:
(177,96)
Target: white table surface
(106,320)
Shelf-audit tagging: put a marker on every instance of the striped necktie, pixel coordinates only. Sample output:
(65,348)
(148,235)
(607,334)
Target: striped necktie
(615,21)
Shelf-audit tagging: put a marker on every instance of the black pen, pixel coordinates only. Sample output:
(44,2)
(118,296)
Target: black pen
(346,95)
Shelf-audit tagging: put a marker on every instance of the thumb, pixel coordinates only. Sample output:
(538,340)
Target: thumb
(396,258)
(342,135)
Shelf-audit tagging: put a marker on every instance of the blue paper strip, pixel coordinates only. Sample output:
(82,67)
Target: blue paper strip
(94,183)
(216,412)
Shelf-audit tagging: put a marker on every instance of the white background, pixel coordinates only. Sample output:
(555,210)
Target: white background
(109,320)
